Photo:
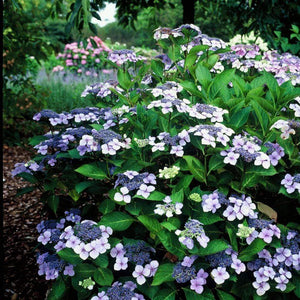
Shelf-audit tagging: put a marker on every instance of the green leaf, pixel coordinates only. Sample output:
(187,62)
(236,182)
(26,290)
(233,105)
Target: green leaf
(171,243)
(81,186)
(203,75)
(165,294)
(25,190)
(206,218)
(118,221)
(101,261)
(259,170)
(150,223)
(191,87)
(28,177)
(250,180)
(184,182)
(216,162)
(232,230)
(219,84)
(93,170)
(74,195)
(191,295)
(195,167)
(238,119)
(154,196)
(250,252)
(263,117)
(104,276)
(106,206)
(158,67)
(58,290)
(85,270)
(213,246)
(177,196)
(53,202)
(124,79)
(69,256)
(224,296)
(163,274)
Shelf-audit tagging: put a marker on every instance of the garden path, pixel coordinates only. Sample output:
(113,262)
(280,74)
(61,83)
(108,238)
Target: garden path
(21,215)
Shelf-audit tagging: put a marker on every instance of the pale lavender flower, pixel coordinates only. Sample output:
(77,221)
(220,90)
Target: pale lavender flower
(69,270)
(252,237)
(188,261)
(140,273)
(220,275)
(123,196)
(100,296)
(117,251)
(145,190)
(266,235)
(44,238)
(152,266)
(121,263)
(80,249)
(261,287)
(282,281)
(238,266)
(177,150)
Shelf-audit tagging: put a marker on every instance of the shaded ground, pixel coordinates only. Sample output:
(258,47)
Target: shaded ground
(21,215)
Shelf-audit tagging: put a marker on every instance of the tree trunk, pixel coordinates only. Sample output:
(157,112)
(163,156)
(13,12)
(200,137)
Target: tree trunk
(188,11)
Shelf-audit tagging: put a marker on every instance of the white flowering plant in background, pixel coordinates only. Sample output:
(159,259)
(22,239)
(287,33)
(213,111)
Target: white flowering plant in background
(184,186)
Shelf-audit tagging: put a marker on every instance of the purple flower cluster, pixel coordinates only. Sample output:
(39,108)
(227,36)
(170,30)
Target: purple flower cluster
(132,180)
(168,90)
(25,168)
(104,140)
(192,229)
(50,231)
(165,139)
(199,111)
(249,149)
(185,271)
(246,51)
(291,183)
(101,89)
(87,239)
(139,254)
(222,260)
(119,291)
(276,267)
(286,127)
(198,38)
(212,133)
(51,266)
(236,207)
(284,66)
(122,56)
(267,230)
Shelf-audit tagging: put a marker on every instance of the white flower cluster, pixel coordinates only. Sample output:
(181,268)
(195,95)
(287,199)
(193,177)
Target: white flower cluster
(168,208)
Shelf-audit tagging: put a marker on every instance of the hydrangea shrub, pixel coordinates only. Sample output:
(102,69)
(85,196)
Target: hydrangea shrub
(168,188)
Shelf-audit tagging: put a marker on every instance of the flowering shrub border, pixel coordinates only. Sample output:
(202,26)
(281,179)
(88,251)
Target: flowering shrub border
(182,151)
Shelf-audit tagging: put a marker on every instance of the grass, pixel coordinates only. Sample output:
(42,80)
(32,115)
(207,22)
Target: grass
(62,91)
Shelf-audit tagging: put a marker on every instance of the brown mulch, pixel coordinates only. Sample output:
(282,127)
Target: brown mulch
(20,217)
